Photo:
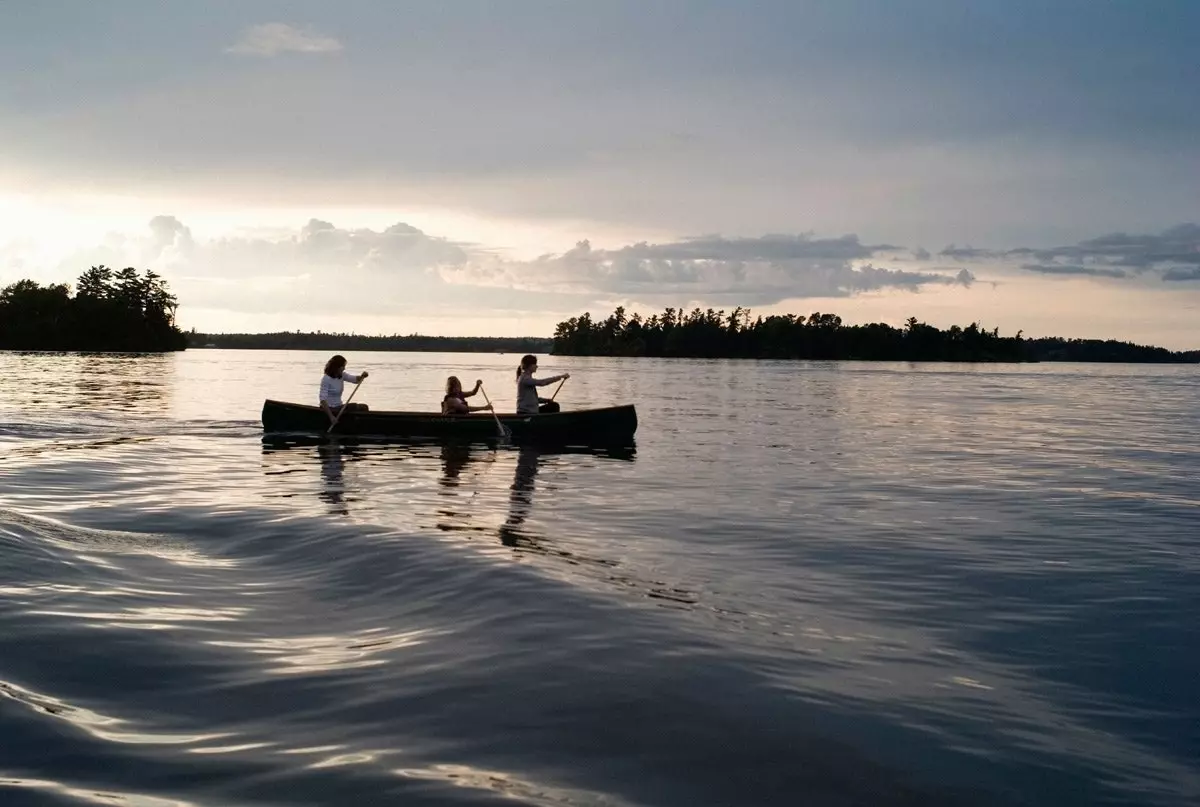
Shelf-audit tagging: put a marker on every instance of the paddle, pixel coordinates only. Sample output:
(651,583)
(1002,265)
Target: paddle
(504,433)
(345,406)
(556,389)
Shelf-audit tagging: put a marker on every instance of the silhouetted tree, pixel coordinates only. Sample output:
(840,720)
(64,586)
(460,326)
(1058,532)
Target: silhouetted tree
(715,334)
(124,311)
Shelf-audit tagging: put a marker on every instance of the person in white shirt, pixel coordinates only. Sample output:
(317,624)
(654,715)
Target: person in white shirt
(332,383)
(528,402)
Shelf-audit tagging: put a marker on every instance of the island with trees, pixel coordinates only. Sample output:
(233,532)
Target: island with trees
(109,311)
(721,334)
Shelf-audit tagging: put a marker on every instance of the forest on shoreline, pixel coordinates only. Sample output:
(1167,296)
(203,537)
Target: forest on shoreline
(127,311)
(108,311)
(414,343)
(721,334)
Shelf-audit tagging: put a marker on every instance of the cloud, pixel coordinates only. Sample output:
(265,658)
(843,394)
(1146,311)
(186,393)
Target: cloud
(401,270)
(969,253)
(273,38)
(1177,274)
(1066,269)
(1171,255)
(748,271)
(1177,247)
(318,267)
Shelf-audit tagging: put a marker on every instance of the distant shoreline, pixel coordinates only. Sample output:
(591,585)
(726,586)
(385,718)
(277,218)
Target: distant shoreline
(413,343)
(1052,351)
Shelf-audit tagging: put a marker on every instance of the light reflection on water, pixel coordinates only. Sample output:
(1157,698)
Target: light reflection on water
(972,578)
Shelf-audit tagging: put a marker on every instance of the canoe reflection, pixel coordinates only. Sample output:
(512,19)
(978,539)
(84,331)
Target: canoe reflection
(393,481)
(528,461)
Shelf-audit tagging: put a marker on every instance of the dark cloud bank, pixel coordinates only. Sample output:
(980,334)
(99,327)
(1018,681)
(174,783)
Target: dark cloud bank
(1172,255)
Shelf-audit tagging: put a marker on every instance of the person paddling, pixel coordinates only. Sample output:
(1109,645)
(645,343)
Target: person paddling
(528,402)
(455,401)
(332,383)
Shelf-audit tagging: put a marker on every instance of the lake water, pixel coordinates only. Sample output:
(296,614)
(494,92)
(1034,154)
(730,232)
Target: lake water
(814,583)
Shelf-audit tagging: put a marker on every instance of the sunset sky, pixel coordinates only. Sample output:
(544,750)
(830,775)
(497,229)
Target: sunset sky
(470,167)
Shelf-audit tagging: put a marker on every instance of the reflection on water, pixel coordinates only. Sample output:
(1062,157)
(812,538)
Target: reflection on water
(362,477)
(333,470)
(521,500)
(106,382)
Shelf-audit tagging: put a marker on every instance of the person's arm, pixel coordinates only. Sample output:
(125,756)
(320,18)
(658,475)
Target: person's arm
(453,406)
(475,391)
(328,412)
(481,408)
(355,379)
(541,382)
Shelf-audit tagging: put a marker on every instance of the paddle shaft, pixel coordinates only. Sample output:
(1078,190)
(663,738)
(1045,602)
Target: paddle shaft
(496,417)
(556,389)
(346,405)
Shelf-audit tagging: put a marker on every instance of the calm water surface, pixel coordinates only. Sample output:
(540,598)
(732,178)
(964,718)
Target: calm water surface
(814,583)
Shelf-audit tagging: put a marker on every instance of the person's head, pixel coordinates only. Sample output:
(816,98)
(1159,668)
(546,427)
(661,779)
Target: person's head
(335,366)
(454,386)
(528,364)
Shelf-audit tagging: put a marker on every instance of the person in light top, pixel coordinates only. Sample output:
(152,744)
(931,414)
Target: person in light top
(332,383)
(528,402)
(455,400)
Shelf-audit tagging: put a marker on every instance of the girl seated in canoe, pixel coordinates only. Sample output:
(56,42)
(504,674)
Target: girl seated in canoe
(528,402)
(455,401)
(332,383)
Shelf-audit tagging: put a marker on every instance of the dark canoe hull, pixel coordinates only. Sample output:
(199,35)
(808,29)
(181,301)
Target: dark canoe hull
(610,426)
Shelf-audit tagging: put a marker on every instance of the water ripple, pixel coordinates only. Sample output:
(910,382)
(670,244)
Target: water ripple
(820,582)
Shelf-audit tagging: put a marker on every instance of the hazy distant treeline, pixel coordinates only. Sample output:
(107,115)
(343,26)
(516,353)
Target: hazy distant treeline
(334,342)
(721,334)
(109,311)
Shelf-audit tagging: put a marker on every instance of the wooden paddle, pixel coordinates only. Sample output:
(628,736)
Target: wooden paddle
(556,389)
(346,405)
(504,432)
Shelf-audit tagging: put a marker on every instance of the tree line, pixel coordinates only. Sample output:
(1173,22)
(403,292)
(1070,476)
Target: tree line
(721,334)
(319,340)
(108,311)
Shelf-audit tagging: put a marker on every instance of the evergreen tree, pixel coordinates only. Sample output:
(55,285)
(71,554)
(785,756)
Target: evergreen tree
(716,334)
(121,311)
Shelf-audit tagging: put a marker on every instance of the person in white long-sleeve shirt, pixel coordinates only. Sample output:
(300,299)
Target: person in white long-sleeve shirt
(528,401)
(332,384)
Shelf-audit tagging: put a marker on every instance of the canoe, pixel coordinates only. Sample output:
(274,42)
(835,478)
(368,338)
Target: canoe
(608,426)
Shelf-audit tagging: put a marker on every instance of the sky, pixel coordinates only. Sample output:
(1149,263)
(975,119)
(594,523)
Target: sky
(492,168)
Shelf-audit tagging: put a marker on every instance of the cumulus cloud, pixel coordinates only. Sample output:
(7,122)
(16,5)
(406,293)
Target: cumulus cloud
(321,266)
(401,269)
(317,267)
(754,271)
(273,38)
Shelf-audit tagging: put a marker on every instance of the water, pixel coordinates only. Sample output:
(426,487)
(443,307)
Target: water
(813,583)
